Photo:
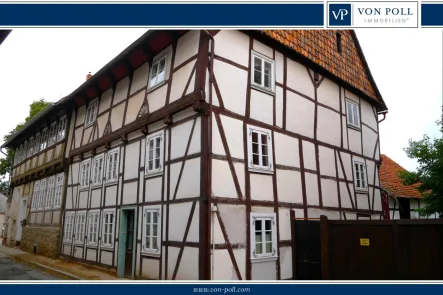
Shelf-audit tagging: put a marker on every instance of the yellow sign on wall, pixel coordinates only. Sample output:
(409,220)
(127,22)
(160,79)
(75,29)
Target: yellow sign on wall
(364,242)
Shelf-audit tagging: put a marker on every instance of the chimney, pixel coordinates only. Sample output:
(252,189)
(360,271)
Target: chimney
(88,76)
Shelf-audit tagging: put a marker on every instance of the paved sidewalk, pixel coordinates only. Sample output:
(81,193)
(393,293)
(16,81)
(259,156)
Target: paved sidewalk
(63,268)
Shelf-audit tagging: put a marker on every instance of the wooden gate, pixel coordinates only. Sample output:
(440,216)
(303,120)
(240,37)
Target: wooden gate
(367,249)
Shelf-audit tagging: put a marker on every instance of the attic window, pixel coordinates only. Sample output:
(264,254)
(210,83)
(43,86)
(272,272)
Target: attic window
(338,42)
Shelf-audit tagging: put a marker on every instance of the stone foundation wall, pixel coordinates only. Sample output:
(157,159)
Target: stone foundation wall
(46,238)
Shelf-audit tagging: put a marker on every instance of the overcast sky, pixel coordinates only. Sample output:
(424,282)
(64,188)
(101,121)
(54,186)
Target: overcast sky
(51,63)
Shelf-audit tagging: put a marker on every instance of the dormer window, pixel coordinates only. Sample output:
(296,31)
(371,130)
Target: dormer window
(91,114)
(61,133)
(52,134)
(158,71)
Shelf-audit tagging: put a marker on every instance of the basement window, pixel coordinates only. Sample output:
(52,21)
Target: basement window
(260,150)
(263,237)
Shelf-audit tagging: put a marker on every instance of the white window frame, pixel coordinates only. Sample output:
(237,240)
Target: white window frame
(52,135)
(156,61)
(80,231)
(91,215)
(35,195)
(50,192)
(91,113)
(352,109)
(85,174)
(151,250)
(61,128)
(68,232)
(358,184)
(44,139)
(264,256)
(263,59)
(96,180)
(58,191)
(152,138)
(42,194)
(109,165)
(269,169)
(102,239)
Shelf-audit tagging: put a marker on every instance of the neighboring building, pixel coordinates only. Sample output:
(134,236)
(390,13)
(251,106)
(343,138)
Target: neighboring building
(3,199)
(38,181)
(401,201)
(176,154)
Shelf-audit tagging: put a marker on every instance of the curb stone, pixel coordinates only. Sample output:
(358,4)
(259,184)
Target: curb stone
(48,269)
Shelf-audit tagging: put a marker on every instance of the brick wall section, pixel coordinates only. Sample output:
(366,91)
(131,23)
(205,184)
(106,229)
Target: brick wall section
(46,238)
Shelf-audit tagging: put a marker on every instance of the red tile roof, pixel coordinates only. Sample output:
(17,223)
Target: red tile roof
(319,46)
(391,182)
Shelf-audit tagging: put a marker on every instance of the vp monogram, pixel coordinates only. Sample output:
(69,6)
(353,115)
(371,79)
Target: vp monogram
(341,13)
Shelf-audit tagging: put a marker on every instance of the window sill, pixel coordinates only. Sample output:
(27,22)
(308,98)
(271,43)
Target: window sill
(83,188)
(354,127)
(152,88)
(88,125)
(262,89)
(96,185)
(112,182)
(361,191)
(91,246)
(151,254)
(263,259)
(261,171)
(109,247)
(67,242)
(153,174)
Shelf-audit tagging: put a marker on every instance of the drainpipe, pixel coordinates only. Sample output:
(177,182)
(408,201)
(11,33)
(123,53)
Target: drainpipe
(384,116)
(209,192)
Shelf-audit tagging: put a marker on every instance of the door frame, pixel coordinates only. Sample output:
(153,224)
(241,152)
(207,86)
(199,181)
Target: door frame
(23,212)
(122,241)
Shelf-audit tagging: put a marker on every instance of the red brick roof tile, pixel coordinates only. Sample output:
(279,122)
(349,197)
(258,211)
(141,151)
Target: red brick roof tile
(319,46)
(391,182)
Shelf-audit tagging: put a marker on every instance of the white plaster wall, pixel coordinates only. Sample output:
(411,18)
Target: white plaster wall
(298,78)
(344,195)
(327,161)
(328,126)
(130,193)
(222,181)
(279,106)
(286,263)
(233,217)
(180,136)
(362,201)
(312,194)
(262,48)
(117,116)
(157,98)
(354,140)
(80,116)
(279,67)
(264,270)
(369,141)
(150,268)
(329,193)
(229,41)
(132,152)
(121,91)
(178,219)
(262,107)
(179,81)
(83,199)
(286,150)
(224,268)
(289,186)
(153,189)
(367,114)
(284,223)
(134,105)
(187,46)
(110,195)
(309,155)
(105,102)
(189,186)
(95,197)
(234,136)
(299,114)
(140,78)
(328,93)
(106,257)
(261,187)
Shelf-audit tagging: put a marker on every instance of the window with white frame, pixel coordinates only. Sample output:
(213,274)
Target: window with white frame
(84,173)
(50,192)
(35,195)
(91,114)
(37,143)
(360,175)
(158,71)
(61,132)
(42,194)
(263,235)
(108,228)
(97,170)
(44,139)
(151,230)
(58,190)
(68,227)
(260,149)
(112,165)
(31,147)
(263,72)
(52,134)
(80,222)
(352,114)
(154,153)
(92,228)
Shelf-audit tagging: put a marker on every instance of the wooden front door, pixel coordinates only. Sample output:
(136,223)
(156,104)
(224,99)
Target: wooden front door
(129,243)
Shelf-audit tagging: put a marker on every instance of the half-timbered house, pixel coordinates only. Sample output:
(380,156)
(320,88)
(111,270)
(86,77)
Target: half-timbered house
(38,181)
(400,201)
(192,150)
